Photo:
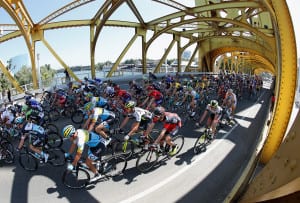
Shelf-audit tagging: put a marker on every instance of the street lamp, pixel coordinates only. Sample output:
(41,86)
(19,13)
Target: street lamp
(39,71)
(166,63)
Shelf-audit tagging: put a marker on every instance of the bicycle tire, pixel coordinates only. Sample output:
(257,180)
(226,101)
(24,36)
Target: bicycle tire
(76,179)
(200,144)
(54,140)
(28,162)
(7,145)
(77,117)
(179,141)
(51,127)
(147,160)
(54,115)
(56,156)
(116,166)
(7,155)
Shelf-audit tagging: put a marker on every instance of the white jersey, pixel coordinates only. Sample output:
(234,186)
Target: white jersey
(7,115)
(141,114)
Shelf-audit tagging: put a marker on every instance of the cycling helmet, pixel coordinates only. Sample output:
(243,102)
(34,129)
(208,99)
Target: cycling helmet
(88,106)
(19,120)
(89,95)
(150,87)
(158,111)
(189,88)
(27,98)
(68,131)
(130,104)
(214,103)
(229,91)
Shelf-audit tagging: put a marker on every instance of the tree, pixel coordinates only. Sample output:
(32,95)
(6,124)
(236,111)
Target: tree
(47,74)
(24,76)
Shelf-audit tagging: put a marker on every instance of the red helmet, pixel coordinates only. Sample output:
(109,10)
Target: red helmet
(150,87)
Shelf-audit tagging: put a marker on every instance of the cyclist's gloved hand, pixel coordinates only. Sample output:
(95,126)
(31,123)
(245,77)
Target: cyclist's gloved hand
(67,155)
(70,167)
(126,137)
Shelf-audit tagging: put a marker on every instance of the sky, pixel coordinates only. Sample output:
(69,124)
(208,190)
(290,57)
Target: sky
(72,44)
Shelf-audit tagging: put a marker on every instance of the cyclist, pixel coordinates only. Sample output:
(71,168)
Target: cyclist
(214,111)
(35,113)
(103,116)
(79,139)
(154,98)
(194,98)
(31,128)
(123,96)
(142,118)
(230,101)
(171,124)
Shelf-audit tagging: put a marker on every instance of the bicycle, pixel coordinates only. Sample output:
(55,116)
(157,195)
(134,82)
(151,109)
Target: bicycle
(203,140)
(29,160)
(149,158)
(80,177)
(134,146)
(6,152)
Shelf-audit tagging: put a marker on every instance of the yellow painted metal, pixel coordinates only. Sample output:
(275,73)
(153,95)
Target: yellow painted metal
(281,176)
(19,14)
(118,61)
(103,14)
(92,51)
(60,60)
(13,81)
(164,57)
(287,82)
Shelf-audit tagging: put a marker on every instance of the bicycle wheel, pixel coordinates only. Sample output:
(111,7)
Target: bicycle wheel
(7,155)
(76,179)
(125,148)
(51,127)
(28,162)
(179,141)
(7,145)
(54,115)
(56,156)
(77,117)
(115,166)
(54,140)
(200,144)
(147,161)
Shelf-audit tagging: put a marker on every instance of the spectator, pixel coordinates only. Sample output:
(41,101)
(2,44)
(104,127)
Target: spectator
(8,95)
(67,76)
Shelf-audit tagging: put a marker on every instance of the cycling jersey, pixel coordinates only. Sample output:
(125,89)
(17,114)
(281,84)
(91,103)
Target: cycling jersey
(103,115)
(95,142)
(99,102)
(141,114)
(124,95)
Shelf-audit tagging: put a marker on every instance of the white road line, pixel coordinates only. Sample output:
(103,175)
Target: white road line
(175,175)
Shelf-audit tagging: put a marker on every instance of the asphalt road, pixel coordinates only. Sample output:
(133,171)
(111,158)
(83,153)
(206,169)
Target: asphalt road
(207,177)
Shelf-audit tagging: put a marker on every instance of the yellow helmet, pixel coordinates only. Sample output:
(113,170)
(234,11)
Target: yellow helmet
(68,131)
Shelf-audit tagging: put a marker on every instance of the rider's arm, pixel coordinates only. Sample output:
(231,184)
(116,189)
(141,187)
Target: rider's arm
(85,126)
(146,100)
(149,129)
(124,122)
(161,135)
(76,159)
(203,116)
(135,127)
